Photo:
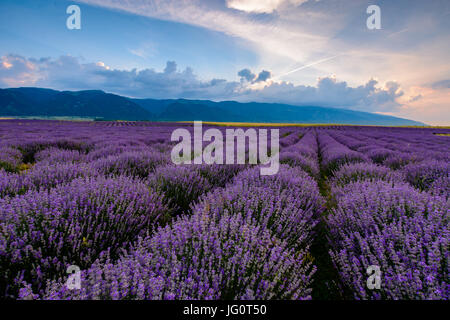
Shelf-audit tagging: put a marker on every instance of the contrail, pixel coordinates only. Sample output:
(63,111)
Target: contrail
(307,66)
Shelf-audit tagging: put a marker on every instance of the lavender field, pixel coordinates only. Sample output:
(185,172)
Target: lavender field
(105,196)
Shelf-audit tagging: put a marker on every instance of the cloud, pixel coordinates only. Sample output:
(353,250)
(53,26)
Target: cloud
(16,70)
(443,84)
(246,75)
(431,107)
(330,92)
(144,50)
(263,76)
(415,98)
(171,67)
(283,35)
(412,45)
(261,6)
(69,73)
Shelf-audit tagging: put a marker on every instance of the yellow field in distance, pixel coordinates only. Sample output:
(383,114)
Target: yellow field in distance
(265,124)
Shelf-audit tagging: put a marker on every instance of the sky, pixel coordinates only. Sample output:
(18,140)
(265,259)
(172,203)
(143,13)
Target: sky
(300,52)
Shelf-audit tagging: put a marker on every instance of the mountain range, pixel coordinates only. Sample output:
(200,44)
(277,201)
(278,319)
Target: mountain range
(97,104)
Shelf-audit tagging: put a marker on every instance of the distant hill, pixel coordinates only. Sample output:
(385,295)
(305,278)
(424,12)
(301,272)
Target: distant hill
(89,103)
(107,106)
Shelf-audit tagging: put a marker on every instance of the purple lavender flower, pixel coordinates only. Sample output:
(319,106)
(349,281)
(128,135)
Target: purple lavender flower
(335,154)
(198,258)
(181,185)
(56,155)
(397,228)
(422,175)
(358,172)
(44,232)
(10,158)
(139,164)
(289,209)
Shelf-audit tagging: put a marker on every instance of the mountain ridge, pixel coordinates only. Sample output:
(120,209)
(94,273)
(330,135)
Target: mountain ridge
(31,101)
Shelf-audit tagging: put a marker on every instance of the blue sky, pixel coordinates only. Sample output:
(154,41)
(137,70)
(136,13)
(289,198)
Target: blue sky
(303,52)
(37,28)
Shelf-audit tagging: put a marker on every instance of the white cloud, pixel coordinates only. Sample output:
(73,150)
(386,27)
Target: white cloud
(259,6)
(144,51)
(412,45)
(329,92)
(282,37)
(69,73)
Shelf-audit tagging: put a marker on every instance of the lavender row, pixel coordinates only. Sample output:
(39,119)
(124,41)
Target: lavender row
(400,230)
(42,232)
(248,240)
(335,154)
(303,154)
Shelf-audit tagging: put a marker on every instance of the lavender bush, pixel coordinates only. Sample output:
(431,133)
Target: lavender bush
(44,232)
(56,155)
(13,183)
(180,184)
(296,159)
(139,164)
(355,172)
(422,175)
(198,258)
(397,228)
(218,175)
(290,214)
(335,154)
(10,158)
